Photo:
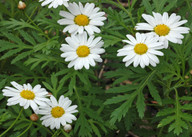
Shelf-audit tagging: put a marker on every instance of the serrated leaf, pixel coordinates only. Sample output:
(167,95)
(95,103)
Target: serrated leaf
(54,81)
(27,37)
(148,6)
(95,129)
(116,99)
(120,112)
(72,83)
(122,89)
(47,86)
(21,56)
(154,93)
(177,126)
(11,53)
(188,98)
(165,112)
(166,121)
(140,104)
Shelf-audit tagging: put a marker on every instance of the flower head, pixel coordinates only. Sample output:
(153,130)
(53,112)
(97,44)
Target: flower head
(81,18)
(165,27)
(26,95)
(82,51)
(21,5)
(141,50)
(54,3)
(58,113)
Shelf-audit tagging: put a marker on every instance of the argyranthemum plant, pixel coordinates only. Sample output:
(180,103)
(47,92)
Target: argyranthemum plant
(81,18)
(82,51)
(26,95)
(141,50)
(58,113)
(54,3)
(165,27)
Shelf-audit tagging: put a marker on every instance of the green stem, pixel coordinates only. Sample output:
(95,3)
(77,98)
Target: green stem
(78,97)
(35,123)
(189,6)
(129,13)
(36,26)
(177,105)
(26,129)
(56,133)
(12,123)
(32,13)
(159,135)
(64,133)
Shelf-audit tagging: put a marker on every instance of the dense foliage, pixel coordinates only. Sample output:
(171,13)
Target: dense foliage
(113,100)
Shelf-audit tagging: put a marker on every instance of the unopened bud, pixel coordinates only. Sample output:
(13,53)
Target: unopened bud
(186,77)
(67,128)
(21,5)
(34,117)
(46,32)
(190,72)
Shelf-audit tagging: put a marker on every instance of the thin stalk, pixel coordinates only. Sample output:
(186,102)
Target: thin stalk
(35,123)
(12,123)
(129,13)
(56,133)
(189,6)
(36,26)
(160,132)
(78,97)
(26,129)
(177,105)
(32,13)
(64,133)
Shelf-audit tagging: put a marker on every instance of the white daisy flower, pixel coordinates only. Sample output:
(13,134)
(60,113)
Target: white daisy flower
(57,113)
(165,27)
(54,3)
(141,50)
(82,51)
(81,18)
(26,95)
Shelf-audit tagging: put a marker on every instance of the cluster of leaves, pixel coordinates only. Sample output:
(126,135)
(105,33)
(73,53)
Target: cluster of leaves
(110,97)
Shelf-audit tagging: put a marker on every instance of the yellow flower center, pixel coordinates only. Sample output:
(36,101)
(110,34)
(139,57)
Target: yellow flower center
(162,29)
(81,20)
(57,112)
(140,48)
(83,51)
(27,94)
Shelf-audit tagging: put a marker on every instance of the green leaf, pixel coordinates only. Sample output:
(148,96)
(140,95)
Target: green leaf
(116,99)
(140,104)
(148,6)
(154,93)
(122,89)
(72,84)
(84,127)
(166,111)
(13,38)
(10,53)
(27,37)
(166,121)
(95,129)
(177,126)
(21,56)
(122,110)
(54,81)
(47,86)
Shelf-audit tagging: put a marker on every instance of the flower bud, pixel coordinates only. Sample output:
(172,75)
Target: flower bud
(34,117)
(186,77)
(21,5)
(67,128)
(190,72)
